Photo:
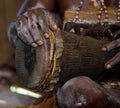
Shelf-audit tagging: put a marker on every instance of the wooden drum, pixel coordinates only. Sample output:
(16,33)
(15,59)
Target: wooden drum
(66,56)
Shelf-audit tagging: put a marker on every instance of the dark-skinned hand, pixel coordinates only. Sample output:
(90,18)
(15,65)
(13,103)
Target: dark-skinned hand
(108,47)
(28,24)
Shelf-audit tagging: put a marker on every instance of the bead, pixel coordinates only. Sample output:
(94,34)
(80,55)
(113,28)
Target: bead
(76,17)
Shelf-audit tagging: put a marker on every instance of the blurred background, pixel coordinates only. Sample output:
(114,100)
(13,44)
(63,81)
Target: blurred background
(8,11)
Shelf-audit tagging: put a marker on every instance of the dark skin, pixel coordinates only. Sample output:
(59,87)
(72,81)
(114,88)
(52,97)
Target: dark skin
(32,14)
(75,94)
(39,13)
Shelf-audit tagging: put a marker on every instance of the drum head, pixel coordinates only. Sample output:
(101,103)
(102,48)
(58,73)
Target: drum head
(31,63)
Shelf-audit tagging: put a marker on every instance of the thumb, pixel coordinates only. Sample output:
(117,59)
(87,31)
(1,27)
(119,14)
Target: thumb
(52,22)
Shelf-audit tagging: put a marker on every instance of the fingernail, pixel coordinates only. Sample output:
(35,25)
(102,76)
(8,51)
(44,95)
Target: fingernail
(40,42)
(108,66)
(54,27)
(104,49)
(34,45)
(46,35)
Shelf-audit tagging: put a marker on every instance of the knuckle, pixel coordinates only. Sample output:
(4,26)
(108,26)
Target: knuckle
(23,17)
(30,13)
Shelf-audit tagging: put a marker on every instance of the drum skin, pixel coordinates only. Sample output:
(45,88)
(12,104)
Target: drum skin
(82,56)
(31,63)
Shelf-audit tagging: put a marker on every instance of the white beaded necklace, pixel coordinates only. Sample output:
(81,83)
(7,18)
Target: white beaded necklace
(103,9)
(118,13)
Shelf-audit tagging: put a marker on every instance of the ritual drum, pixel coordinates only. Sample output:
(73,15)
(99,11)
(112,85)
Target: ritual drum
(63,56)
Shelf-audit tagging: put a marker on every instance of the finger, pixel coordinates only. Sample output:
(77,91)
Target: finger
(112,45)
(36,34)
(22,29)
(113,61)
(116,34)
(46,35)
(21,37)
(42,17)
(44,27)
(27,36)
(24,37)
(19,25)
(52,22)
(33,28)
(34,45)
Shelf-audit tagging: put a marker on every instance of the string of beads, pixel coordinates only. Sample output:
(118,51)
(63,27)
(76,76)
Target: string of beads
(103,9)
(118,13)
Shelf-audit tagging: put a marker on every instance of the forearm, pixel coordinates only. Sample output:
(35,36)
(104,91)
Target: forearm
(32,4)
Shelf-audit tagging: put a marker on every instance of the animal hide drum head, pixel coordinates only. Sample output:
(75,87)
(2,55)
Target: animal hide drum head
(31,63)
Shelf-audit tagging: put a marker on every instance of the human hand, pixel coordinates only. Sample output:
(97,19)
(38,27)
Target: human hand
(28,26)
(108,47)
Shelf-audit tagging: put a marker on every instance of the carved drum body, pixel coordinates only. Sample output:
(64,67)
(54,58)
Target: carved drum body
(73,55)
